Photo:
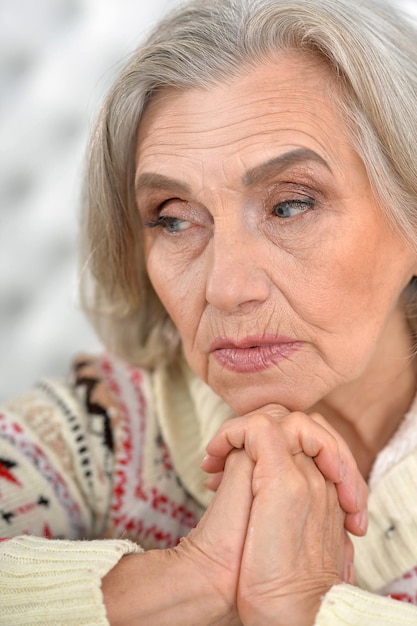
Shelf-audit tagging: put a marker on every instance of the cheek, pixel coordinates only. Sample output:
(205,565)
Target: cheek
(348,279)
(179,289)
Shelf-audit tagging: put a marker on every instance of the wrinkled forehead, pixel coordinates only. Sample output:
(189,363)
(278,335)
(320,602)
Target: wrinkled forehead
(288,71)
(287,101)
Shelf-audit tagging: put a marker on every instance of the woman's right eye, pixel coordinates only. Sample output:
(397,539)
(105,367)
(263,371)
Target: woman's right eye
(172,225)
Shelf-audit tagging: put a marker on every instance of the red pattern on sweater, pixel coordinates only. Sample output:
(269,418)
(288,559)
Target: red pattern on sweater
(142,511)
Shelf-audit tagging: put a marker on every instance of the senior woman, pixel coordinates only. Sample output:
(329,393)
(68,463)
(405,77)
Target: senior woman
(250,239)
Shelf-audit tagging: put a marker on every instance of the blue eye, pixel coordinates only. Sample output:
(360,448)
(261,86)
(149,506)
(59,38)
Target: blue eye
(291,208)
(173,225)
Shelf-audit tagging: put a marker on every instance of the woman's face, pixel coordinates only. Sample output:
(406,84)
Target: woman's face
(263,238)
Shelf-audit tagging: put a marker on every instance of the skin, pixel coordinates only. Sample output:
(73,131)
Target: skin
(212,168)
(233,268)
(239,569)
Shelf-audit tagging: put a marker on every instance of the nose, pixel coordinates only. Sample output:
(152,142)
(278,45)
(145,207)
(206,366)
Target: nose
(237,279)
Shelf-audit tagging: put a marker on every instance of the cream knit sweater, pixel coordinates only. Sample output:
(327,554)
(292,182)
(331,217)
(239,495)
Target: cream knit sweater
(114,454)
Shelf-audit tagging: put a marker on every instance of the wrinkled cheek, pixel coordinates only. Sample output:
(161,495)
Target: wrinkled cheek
(356,326)
(181,296)
(341,312)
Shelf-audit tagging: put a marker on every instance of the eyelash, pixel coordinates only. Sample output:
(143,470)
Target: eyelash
(168,222)
(163,221)
(305,204)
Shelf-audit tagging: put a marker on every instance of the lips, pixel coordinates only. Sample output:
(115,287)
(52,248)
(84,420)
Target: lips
(253,353)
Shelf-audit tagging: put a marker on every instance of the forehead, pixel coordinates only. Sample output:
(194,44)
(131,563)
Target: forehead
(285,102)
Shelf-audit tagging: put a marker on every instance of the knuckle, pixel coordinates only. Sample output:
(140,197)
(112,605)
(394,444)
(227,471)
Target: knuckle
(317,417)
(302,491)
(317,482)
(277,411)
(261,422)
(299,421)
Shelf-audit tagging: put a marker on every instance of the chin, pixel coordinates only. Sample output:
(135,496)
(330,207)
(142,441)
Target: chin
(248,399)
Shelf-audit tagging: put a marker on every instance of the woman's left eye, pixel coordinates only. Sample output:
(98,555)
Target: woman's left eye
(291,208)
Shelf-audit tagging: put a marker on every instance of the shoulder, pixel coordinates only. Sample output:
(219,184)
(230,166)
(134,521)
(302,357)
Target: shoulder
(57,448)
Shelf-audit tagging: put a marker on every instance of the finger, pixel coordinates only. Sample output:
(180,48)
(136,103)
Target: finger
(234,488)
(230,435)
(349,570)
(215,545)
(214,481)
(214,464)
(305,539)
(317,439)
(309,434)
(357,523)
(335,461)
(220,534)
(352,488)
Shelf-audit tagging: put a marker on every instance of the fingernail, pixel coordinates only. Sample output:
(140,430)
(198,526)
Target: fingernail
(363,521)
(349,574)
(359,499)
(342,470)
(346,572)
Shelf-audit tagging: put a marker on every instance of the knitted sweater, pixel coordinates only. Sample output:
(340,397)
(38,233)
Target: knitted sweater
(113,457)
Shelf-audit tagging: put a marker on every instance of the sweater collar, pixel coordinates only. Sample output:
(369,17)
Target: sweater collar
(189,414)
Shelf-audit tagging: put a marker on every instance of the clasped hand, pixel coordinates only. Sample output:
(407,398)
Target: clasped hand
(274,540)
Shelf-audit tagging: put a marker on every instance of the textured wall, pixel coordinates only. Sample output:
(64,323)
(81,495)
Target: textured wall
(57,57)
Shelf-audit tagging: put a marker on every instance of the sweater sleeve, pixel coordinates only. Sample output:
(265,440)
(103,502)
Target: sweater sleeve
(56,582)
(385,559)
(56,472)
(347,605)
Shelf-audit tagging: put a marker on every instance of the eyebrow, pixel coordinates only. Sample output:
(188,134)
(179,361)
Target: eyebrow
(280,163)
(255,175)
(151,180)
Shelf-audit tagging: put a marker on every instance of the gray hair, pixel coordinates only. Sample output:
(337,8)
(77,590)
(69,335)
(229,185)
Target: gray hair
(371,50)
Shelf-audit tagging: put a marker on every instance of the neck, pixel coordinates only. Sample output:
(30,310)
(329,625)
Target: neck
(367,411)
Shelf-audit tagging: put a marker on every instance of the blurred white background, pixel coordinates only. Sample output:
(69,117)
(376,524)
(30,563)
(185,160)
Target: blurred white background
(57,59)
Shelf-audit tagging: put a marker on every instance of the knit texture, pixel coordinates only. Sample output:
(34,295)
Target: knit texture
(114,454)
(53,583)
(349,606)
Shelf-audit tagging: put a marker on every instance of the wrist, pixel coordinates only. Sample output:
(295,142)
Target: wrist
(281,608)
(164,587)
(213,588)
